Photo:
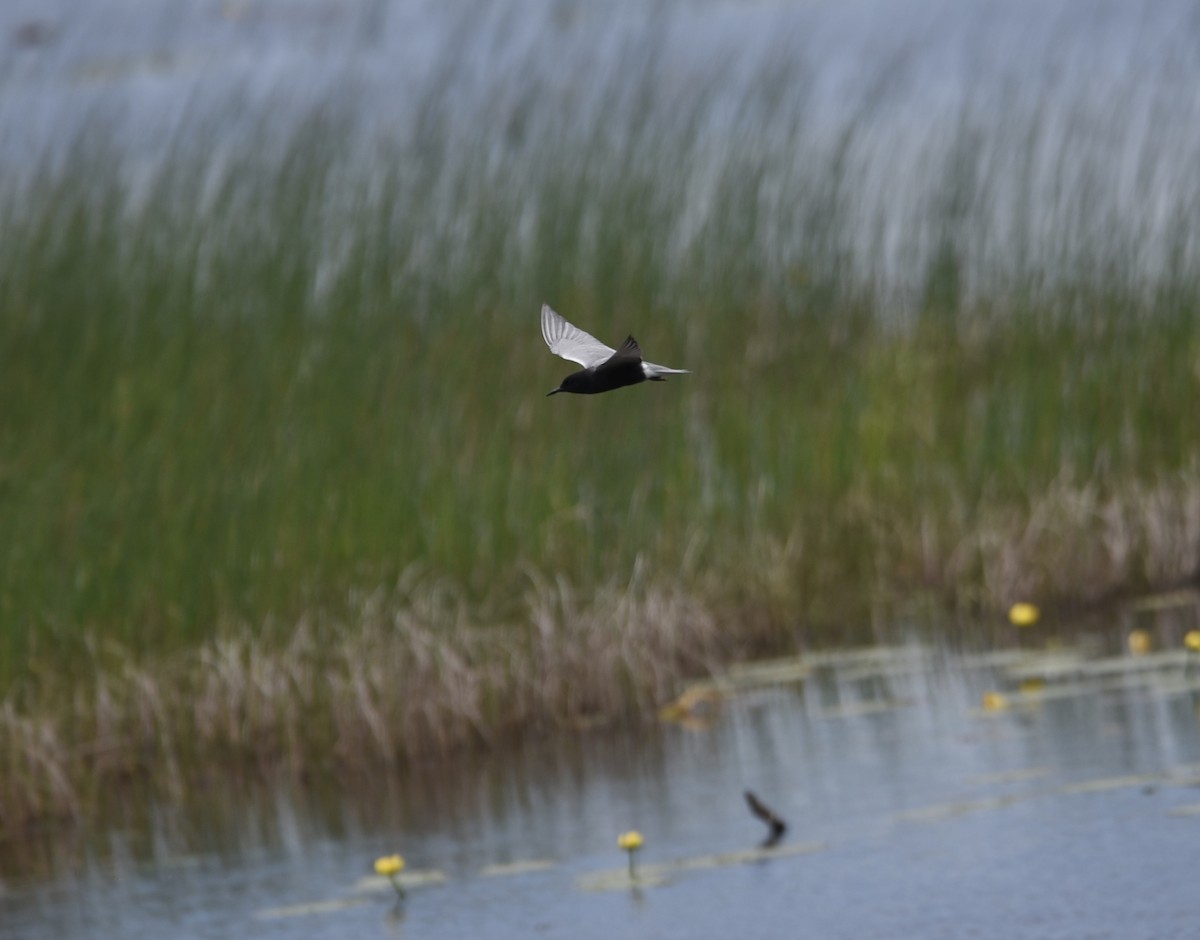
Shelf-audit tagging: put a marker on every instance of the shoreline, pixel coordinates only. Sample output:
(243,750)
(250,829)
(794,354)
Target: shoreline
(402,686)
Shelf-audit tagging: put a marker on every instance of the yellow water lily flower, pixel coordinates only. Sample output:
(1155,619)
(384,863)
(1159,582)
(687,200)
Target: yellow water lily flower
(994,701)
(1138,642)
(630,841)
(1023,614)
(1192,640)
(389,865)
(696,703)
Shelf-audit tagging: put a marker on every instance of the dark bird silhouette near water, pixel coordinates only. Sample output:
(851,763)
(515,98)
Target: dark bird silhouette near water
(776,825)
(604,368)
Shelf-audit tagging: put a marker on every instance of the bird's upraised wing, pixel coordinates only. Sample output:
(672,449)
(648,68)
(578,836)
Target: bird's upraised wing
(569,341)
(777,827)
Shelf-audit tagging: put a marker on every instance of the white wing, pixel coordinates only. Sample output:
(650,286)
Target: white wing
(570,342)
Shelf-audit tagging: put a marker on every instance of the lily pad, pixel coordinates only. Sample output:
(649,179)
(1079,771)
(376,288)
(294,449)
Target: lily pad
(312,907)
(508,869)
(942,811)
(369,884)
(650,876)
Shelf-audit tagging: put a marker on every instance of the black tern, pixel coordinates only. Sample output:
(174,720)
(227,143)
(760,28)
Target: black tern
(776,825)
(604,368)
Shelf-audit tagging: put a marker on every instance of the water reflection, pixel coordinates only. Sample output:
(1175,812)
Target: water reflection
(938,808)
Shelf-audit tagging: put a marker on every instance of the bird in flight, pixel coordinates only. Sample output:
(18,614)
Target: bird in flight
(604,368)
(776,826)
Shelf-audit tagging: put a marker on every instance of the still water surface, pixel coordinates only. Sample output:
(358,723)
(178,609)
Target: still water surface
(913,813)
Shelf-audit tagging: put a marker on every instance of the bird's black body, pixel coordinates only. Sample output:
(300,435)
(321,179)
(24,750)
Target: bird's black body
(623,368)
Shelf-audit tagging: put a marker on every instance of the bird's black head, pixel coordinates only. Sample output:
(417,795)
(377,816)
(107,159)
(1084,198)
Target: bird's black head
(580,383)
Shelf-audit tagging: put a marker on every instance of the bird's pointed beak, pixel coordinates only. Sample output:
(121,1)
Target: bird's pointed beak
(553,391)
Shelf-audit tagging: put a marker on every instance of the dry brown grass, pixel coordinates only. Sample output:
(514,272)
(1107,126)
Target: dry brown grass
(1081,543)
(417,673)
(1077,543)
(413,678)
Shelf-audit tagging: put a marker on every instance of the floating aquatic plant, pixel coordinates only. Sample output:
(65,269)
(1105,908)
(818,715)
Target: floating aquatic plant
(390,866)
(630,842)
(995,701)
(1023,614)
(1138,642)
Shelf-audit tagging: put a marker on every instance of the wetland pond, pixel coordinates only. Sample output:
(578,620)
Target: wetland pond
(1069,807)
(928,794)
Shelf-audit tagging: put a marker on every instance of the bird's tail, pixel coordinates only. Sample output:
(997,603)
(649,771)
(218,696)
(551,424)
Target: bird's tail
(653,370)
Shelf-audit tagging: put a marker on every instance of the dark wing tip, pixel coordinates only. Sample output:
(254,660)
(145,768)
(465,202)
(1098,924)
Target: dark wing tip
(775,824)
(630,348)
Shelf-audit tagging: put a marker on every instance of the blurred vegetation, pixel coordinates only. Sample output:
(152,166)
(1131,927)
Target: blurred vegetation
(236,402)
(228,406)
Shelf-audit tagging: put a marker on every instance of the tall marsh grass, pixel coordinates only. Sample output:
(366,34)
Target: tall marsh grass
(199,428)
(247,393)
